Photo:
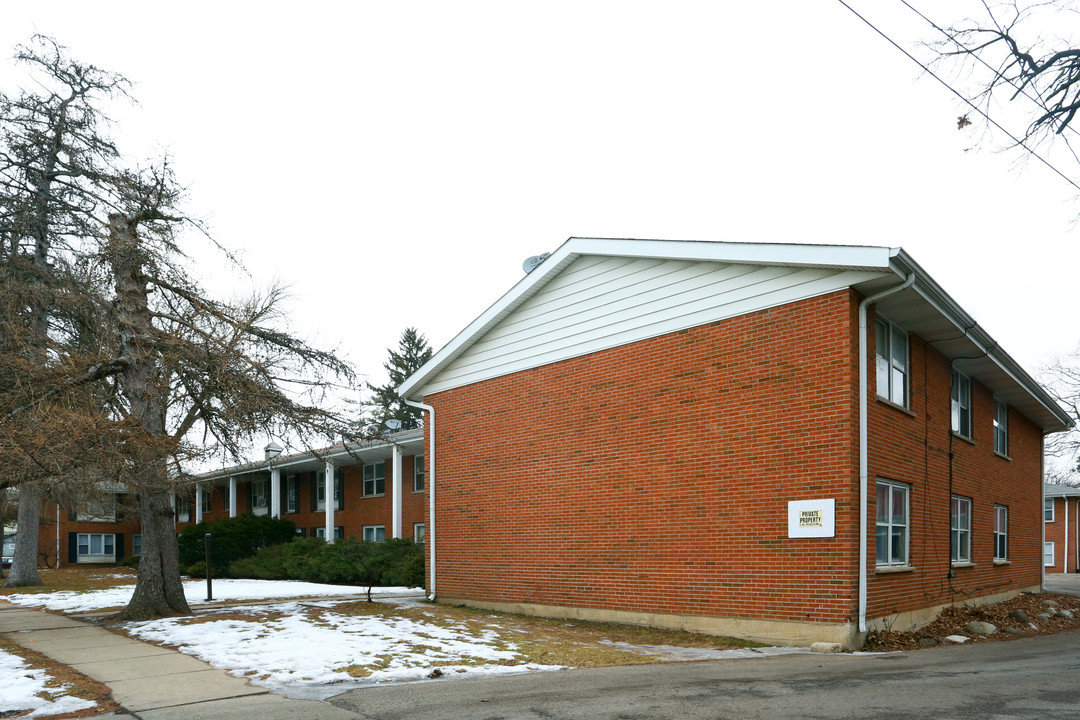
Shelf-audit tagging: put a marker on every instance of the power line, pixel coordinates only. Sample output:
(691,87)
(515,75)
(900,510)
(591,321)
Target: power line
(960,95)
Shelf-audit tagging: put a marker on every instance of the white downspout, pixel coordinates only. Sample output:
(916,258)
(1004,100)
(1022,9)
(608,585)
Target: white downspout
(57,536)
(864,463)
(397,485)
(429,531)
(1065,563)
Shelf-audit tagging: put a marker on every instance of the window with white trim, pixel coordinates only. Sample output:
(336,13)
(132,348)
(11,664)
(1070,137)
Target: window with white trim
(418,533)
(339,532)
(375,533)
(96,548)
(320,490)
(960,530)
(292,494)
(375,479)
(1048,554)
(207,499)
(892,363)
(1048,509)
(97,509)
(418,474)
(1001,427)
(260,496)
(1001,532)
(892,523)
(961,405)
(183,509)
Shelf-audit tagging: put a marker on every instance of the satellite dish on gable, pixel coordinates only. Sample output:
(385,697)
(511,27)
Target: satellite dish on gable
(393,424)
(530,264)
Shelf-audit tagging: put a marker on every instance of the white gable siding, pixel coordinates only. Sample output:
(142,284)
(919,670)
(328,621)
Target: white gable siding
(603,302)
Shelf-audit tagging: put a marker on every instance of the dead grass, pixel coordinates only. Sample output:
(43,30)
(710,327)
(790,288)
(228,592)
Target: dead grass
(66,681)
(77,579)
(953,621)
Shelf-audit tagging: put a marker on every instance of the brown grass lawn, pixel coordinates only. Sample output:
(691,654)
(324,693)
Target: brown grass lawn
(77,579)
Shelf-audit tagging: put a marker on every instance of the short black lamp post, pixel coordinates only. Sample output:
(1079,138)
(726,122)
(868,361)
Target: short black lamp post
(209,578)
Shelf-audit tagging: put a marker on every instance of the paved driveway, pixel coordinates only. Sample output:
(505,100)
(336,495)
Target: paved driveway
(1062,583)
(1024,678)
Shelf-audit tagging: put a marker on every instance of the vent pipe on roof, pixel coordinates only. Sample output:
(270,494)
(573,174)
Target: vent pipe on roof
(271,451)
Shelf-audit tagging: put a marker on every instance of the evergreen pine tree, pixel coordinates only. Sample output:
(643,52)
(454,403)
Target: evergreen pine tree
(412,352)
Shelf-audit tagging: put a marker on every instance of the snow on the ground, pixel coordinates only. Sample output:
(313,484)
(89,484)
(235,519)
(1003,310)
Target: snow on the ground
(195,591)
(301,656)
(21,686)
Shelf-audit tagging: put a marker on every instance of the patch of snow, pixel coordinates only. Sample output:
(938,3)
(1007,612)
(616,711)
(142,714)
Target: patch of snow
(195,591)
(21,685)
(305,657)
(957,638)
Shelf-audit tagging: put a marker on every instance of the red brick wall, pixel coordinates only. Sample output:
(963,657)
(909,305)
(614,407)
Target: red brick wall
(655,476)
(1056,531)
(48,533)
(913,447)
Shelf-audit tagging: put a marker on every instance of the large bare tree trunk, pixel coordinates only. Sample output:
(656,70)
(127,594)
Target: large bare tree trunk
(24,566)
(158,591)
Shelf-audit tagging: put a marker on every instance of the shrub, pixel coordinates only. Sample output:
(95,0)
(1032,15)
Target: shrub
(231,539)
(347,561)
(131,561)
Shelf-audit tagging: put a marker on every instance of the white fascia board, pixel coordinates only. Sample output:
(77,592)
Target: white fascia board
(950,309)
(775,254)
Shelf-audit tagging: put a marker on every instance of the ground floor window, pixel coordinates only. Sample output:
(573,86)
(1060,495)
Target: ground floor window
(136,544)
(418,533)
(892,523)
(96,547)
(374,533)
(960,533)
(1048,554)
(320,532)
(1001,532)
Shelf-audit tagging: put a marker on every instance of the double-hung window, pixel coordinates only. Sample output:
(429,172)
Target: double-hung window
(260,496)
(1001,427)
(1048,509)
(418,473)
(961,405)
(892,363)
(183,510)
(375,479)
(320,490)
(1001,532)
(375,533)
(960,530)
(96,547)
(292,494)
(207,498)
(892,523)
(418,533)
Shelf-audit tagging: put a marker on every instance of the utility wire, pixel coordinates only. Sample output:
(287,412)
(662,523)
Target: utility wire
(960,95)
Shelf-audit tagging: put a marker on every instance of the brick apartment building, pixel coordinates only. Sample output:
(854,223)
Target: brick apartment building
(1061,516)
(377,492)
(698,435)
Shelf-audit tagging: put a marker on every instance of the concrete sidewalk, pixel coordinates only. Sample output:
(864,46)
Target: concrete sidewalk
(151,682)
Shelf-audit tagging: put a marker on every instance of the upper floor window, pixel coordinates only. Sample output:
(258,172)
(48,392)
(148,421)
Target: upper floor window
(260,495)
(1048,510)
(1001,427)
(207,498)
(183,509)
(418,473)
(375,479)
(101,508)
(292,494)
(960,530)
(961,405)
(892,363)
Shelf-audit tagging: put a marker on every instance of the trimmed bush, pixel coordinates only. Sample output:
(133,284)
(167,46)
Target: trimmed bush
(232,539)
(348,561)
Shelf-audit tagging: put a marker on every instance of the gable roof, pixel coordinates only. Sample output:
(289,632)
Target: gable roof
(592,294)
(1054,490)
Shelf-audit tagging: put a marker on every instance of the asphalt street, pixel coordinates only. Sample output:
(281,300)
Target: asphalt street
(1023,678)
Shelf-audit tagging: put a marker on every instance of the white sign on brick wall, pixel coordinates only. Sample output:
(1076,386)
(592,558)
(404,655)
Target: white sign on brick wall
(811,518)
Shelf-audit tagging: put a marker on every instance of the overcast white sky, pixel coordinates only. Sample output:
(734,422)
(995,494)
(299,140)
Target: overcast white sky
(394,163)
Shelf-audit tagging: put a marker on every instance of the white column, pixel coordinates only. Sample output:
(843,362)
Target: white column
(198,503)
(396,485)
(275,492)
(232,496)
(331,500)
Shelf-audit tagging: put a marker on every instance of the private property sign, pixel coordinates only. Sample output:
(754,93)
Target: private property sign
(812,518)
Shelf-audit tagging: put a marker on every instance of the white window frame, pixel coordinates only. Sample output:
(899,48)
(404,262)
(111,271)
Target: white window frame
(339,532)
(1001,428)
(89,556)
(1048,509)
(960,404)
(292,494)
(1048,554)
(418,474)
(418,533)
(960,530)
(372,484)
(374,533)
(183,509)
(260,496)
(893,366)
(890,526)
(207,499)
(320,490)
(1001,533)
